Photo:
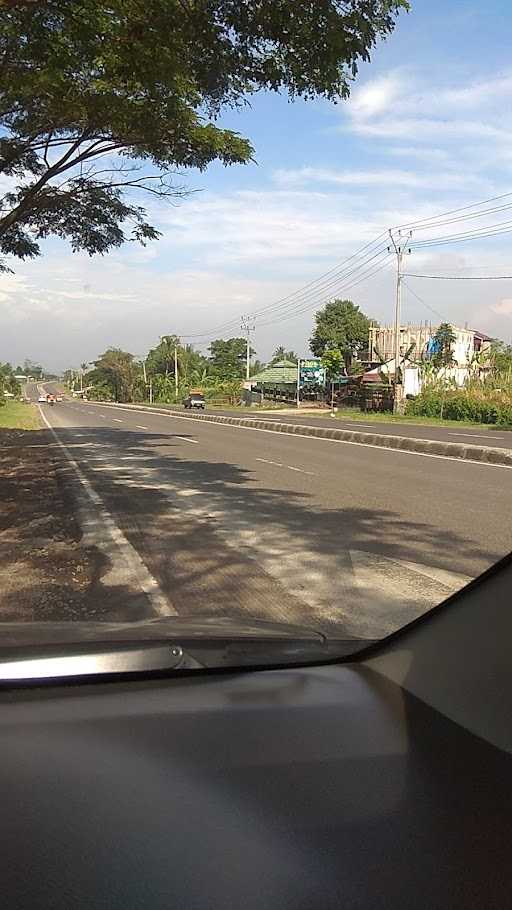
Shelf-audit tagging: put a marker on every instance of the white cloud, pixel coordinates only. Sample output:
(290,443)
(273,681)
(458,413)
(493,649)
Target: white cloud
(407,105)
(504,307)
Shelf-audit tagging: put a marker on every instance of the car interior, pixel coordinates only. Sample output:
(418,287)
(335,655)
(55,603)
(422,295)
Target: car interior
(138,776)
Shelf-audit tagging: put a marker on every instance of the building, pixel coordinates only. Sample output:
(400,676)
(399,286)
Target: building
(416,340)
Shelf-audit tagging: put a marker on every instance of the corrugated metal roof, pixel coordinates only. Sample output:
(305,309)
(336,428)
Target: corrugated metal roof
(284,371)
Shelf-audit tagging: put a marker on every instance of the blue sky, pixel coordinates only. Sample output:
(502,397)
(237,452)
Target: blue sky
(428,129)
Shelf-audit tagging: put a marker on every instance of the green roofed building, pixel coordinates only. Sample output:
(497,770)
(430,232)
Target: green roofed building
(278,375)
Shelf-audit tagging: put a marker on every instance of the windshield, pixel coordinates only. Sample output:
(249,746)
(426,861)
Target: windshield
(269,399)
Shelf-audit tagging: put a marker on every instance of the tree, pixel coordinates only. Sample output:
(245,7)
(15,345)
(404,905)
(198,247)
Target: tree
(500,357)
(102,101)
(228,357)
(340,325)
(443,341)
(161,358)
(116,371)
(332,362)
(281,353)
(8,382)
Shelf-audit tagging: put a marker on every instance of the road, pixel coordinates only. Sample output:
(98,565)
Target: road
(499,437)
(207,519)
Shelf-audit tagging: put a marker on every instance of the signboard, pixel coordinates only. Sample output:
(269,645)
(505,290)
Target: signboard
(312,372)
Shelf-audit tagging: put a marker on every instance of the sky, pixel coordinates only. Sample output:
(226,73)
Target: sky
(428,129)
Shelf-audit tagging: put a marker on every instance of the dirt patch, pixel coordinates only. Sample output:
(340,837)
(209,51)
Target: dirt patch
(45,572)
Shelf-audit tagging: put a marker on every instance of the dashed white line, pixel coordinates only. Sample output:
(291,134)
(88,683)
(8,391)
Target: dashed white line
(117,420)
(137,426)
(290,467)
(299,470)
(346,442)
(186,439)
(476,435)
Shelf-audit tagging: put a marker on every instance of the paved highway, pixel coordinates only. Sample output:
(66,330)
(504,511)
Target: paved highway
(207,519)
(499,437)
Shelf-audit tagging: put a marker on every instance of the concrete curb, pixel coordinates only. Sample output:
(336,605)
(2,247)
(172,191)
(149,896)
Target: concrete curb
(483,454)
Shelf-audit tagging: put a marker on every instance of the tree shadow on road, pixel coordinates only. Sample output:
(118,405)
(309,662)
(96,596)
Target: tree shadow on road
(219,542)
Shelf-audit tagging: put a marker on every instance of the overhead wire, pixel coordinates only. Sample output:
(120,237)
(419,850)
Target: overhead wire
(460,277)
(356,266)
(317,289)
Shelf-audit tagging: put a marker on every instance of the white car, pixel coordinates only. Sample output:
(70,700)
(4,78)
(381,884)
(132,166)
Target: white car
(42,399)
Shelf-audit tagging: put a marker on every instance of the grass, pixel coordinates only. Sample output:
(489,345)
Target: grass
(19,415)
(387,417)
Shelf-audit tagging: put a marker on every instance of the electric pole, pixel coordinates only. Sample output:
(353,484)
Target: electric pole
(248,325)
(176,370)
(400,247)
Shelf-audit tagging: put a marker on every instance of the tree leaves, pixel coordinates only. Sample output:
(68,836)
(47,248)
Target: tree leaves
(340,325)
(88,86)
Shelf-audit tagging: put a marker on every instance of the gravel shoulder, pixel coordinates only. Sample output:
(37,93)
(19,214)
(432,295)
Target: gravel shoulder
(45,572)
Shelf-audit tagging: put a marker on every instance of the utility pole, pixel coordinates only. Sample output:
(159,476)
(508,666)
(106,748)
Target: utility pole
(298,383)
(248,325)
(401,247)
(176,370)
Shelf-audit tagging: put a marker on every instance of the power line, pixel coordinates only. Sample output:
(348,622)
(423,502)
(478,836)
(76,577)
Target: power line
(335,274)
(461,277)
(464,208)
(460,238)
(424,302)
(343,289)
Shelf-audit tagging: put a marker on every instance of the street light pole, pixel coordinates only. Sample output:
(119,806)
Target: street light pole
(298,382)
(176,370)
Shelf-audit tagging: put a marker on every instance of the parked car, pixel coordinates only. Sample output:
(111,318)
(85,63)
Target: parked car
(194,400)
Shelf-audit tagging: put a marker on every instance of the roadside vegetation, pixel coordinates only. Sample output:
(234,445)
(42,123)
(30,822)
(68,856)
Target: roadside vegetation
(19,415)
(485,398)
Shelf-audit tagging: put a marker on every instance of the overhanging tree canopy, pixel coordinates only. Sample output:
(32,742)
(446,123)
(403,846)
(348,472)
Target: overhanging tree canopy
(99,100)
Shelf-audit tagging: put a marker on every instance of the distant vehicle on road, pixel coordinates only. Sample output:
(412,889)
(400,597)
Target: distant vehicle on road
(42,399)
(194,400)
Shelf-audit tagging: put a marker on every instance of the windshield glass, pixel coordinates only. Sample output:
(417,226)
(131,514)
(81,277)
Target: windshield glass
(273,398)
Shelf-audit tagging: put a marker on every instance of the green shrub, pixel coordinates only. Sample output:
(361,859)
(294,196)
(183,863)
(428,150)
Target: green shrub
(480,405)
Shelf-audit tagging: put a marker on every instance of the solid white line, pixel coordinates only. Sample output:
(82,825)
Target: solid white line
(345,442)
(137,426)
(147,583)
(476,435)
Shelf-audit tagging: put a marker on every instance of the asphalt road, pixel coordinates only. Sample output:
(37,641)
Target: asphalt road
(207,519)
(500,437)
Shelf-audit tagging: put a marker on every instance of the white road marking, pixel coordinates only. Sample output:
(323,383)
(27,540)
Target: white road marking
(290,467)
(137,426)
(299,470)
(477,436)
(355,426)
(186,439)
(346,442)
(117,420)
(104,416)
(101,529)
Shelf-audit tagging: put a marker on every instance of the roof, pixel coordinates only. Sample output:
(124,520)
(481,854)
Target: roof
(284,371)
